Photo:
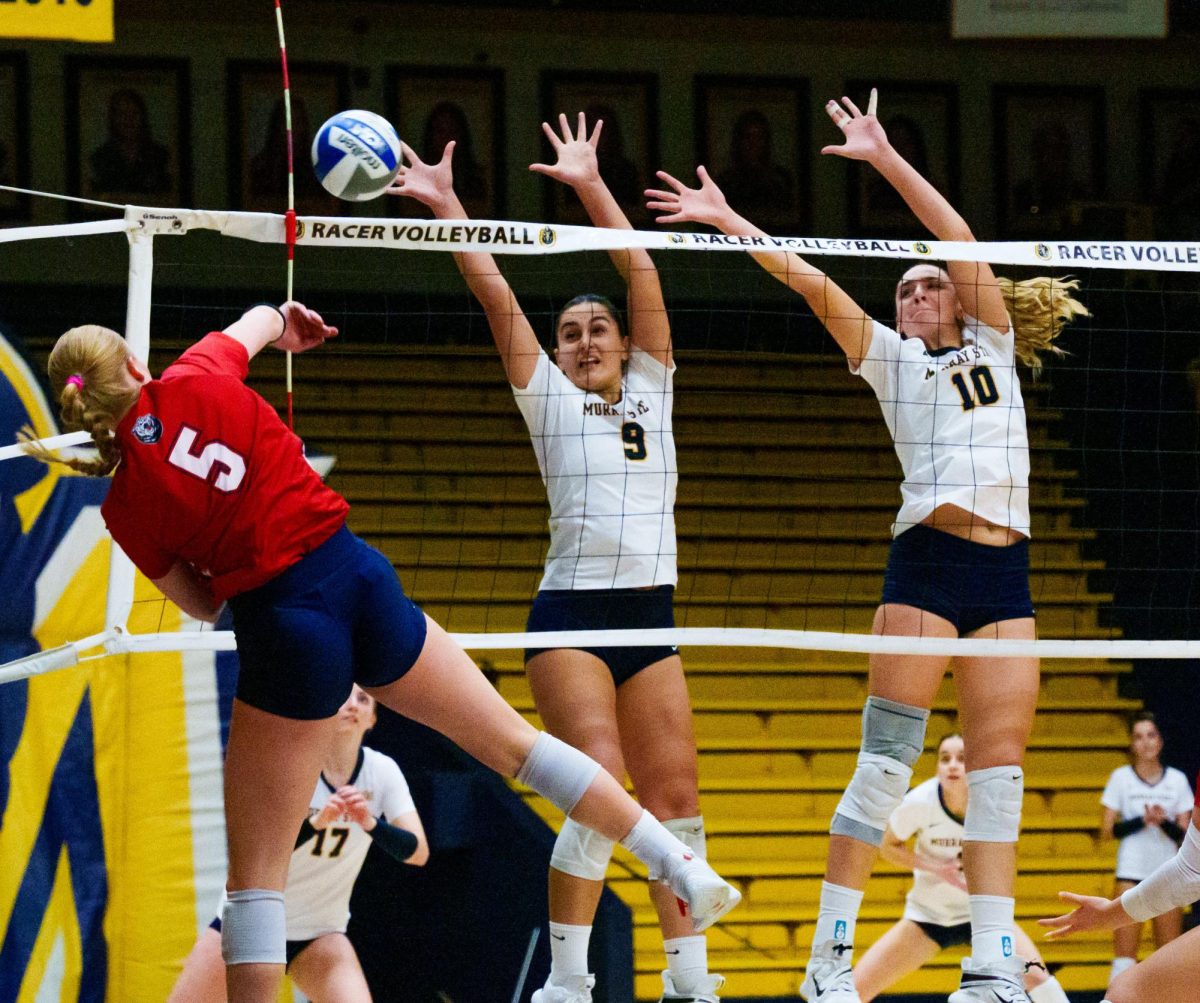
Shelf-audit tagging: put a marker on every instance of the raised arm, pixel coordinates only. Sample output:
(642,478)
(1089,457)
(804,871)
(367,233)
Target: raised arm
(433,185)
(292,327)
(843,318)
(576,165)
(975,283)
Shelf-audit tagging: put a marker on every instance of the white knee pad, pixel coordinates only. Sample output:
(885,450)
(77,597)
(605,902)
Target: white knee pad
(994,805)
(877,787)
(254,928)
(581,852)
(1120,964)
(690,832)
(558,772)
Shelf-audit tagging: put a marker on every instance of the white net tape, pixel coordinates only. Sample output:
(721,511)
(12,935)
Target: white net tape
(515,238)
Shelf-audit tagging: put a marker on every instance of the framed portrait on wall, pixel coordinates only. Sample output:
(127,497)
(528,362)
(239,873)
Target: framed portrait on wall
(14,134)
(1049,145)
(432,105)
(128,125)
(1170,153)
(752,135)
(258,139)
(921,122)
(628,148)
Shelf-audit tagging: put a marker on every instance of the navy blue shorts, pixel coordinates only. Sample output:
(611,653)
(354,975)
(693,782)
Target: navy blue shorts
(607,609)
(337,616)
(946,936)
(969,584)
(291,948)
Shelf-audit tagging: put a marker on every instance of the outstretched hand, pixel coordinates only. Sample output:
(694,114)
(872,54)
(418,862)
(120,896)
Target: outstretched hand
(682,204)
(304,328)
(865,138)
(575,155)
(1091,912)
(429,184)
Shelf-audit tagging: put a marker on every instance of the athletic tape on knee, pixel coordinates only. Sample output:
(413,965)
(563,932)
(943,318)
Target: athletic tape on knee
(994,804)
(690,832)
(893,735)
(254,928)
(581,852)
(559,773)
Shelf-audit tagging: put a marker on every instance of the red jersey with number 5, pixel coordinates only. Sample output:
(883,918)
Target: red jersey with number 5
(211,476)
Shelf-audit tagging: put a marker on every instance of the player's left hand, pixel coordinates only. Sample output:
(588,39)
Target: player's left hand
(1091,913)
(305,329)
(865,138)
(576,162)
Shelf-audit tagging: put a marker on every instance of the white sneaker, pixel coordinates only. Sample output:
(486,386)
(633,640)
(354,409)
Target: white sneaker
(576,989)
(999,982)
(706,894)
(705,991)
(828,978)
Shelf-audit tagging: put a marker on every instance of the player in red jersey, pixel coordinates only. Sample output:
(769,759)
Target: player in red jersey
(1172,972)
(213,500)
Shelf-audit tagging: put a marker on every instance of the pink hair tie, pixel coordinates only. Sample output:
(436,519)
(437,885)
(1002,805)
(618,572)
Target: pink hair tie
(76,380)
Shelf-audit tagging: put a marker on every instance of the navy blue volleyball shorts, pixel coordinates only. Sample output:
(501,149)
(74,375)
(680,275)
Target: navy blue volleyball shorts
(337,616)
(946,936)
(608,609)
(969,584)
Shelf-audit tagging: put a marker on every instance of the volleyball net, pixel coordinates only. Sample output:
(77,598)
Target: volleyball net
(788,482)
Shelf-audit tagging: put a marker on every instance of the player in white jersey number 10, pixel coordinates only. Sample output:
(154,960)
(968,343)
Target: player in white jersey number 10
(946,380)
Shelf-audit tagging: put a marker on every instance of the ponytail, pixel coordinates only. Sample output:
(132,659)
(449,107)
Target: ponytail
(1039,308)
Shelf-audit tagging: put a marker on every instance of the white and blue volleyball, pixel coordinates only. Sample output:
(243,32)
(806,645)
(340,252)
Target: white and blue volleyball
(356,155)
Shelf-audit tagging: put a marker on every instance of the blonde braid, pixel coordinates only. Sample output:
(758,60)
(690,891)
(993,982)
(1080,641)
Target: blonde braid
(96,358)
(1040,308)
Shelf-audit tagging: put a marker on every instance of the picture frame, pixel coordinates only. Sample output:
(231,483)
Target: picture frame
(257,142)
(128,121)
(921,120)
(1049,148)
(628,150)
(753,136)
(429,106)
(1170,155)
(14,135)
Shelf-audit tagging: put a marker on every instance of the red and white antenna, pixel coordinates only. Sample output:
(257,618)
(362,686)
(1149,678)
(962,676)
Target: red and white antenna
(290,216)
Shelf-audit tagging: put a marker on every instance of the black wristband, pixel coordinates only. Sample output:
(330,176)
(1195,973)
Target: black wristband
(395,842)
(1173,830)
(1128,826)
(277,310)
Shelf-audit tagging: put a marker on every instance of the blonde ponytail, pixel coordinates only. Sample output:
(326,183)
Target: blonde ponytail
(1040,308)
(88,372)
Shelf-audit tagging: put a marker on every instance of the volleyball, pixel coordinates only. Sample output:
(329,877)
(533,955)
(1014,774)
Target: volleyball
(356,155)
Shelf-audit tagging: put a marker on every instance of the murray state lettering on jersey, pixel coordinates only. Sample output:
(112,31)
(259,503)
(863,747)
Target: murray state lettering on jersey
(209,475)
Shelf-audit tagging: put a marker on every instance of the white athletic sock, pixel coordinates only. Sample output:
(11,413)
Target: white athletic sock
(837,915)
(687,960)
(568,950)
(651,842)
(991,928)
(1050,991)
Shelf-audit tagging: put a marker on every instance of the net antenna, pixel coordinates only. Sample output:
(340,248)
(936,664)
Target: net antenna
(289,217)
(141,225)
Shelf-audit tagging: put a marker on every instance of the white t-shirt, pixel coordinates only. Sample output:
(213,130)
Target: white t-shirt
(939,837)
(958,422)
(610,476)
(323,868)
(1139,853)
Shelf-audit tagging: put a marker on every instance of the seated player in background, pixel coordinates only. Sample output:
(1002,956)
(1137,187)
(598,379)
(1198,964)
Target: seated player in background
(361,798)
(1172,973)
(935,912)
(213,500)
(1146,807)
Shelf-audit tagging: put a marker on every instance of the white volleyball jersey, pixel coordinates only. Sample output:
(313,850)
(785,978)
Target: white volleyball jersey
(1139,853)
(610,476)
(923,814)
(958,422)
(322,869)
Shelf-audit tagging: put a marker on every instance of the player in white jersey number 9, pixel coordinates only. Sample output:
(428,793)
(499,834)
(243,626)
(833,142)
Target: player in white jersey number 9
(598,408)
(946,380)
